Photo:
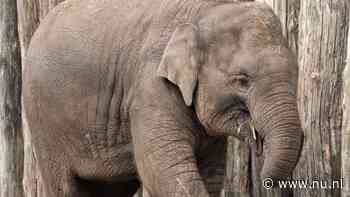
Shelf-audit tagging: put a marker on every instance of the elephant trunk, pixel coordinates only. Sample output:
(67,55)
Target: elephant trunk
(276,119)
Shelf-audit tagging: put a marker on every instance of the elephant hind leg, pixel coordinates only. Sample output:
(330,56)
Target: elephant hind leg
(116,189)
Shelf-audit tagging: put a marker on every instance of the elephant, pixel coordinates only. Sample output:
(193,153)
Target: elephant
(123,92)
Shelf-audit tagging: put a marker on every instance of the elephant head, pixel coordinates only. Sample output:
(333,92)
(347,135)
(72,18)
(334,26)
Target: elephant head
(234,66)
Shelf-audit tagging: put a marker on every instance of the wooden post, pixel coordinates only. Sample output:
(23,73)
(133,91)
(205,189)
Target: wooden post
(345,174)
(237,176)
(322,53)
(11,140)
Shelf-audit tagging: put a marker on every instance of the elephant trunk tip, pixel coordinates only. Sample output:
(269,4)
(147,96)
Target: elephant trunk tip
(282,156)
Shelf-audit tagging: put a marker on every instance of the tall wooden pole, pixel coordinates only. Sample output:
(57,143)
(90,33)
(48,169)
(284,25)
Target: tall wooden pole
(322,54)
(11,140)
(345,174)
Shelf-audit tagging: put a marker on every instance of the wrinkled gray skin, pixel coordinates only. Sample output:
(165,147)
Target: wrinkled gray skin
(119,90)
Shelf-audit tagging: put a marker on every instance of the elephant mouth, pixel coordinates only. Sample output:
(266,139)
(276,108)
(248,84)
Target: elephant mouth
(232,122)
(236,122)
(247,132)
(239,121)
(242,127)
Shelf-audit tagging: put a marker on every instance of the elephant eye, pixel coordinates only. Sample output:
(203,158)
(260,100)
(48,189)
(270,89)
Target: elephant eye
(244,82)
(241,80)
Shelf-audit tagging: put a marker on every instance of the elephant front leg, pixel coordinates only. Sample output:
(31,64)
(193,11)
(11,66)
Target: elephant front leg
(164,153)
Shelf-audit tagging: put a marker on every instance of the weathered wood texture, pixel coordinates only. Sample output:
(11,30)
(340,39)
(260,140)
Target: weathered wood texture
(346,125)
(323,27)
(30,13)
(237,176)
(11,140)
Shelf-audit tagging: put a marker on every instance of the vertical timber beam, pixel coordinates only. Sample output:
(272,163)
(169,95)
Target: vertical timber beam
(323,27)
(345,174)
(11,140)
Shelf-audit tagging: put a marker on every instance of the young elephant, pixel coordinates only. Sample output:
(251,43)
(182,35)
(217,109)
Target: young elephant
(120,90)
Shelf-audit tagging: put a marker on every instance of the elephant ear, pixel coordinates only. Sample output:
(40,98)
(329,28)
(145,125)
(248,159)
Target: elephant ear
(180,61)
